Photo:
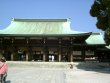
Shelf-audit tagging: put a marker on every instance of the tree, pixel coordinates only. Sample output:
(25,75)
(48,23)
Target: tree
(101,10)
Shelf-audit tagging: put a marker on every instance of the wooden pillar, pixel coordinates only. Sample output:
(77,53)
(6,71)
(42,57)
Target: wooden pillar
(12,54)
(27,57)
(12,57)
(71,50)
(71,54)
(71,60)
(59,54)
(44,54)
(44,57)
(27,53)
(44,50)
(30,55)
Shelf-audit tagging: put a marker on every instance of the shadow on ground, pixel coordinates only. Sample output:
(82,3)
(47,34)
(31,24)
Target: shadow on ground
(94,66)
(8,81)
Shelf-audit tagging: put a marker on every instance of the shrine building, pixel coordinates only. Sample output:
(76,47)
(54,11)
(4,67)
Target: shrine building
(47,40)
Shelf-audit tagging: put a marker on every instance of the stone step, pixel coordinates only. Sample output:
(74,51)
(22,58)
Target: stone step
(38,64)
(65,65)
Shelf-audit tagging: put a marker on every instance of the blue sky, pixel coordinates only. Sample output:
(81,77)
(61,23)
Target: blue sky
(77,10)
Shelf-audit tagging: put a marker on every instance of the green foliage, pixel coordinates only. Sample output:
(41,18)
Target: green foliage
(106,2)
(107,36)
(102,23)
(98,9)
(101,10)
(95,10)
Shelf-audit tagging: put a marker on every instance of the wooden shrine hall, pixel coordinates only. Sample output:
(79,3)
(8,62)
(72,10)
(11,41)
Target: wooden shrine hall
(48,40)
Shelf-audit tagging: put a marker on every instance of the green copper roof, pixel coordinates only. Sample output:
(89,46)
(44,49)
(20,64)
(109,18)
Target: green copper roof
(108,47)
(39,27)
(47,27)
(95,38)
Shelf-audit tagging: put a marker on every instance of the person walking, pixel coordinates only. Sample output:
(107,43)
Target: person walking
(3,70)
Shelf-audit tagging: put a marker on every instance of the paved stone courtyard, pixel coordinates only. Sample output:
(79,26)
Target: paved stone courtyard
(51,74)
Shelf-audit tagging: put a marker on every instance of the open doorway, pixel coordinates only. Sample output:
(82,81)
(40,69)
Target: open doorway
(21,55)
(37,56)
(64,54)
(7,55)
(52,56)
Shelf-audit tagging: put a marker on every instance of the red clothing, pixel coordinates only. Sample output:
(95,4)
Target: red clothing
(3,68)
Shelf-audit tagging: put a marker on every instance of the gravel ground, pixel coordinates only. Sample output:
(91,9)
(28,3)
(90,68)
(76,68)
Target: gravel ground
(30,74)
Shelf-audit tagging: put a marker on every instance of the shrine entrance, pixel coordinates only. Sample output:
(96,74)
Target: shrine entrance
(64,52)
(52,55)
(37,54)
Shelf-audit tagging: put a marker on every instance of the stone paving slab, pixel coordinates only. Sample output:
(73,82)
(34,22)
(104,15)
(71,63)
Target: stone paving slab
(32,74)
(82,76)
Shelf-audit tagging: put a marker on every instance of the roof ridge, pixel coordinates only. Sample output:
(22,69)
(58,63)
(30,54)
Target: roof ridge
(39,20)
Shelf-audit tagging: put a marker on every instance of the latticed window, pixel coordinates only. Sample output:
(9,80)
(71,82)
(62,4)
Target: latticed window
(89,52)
